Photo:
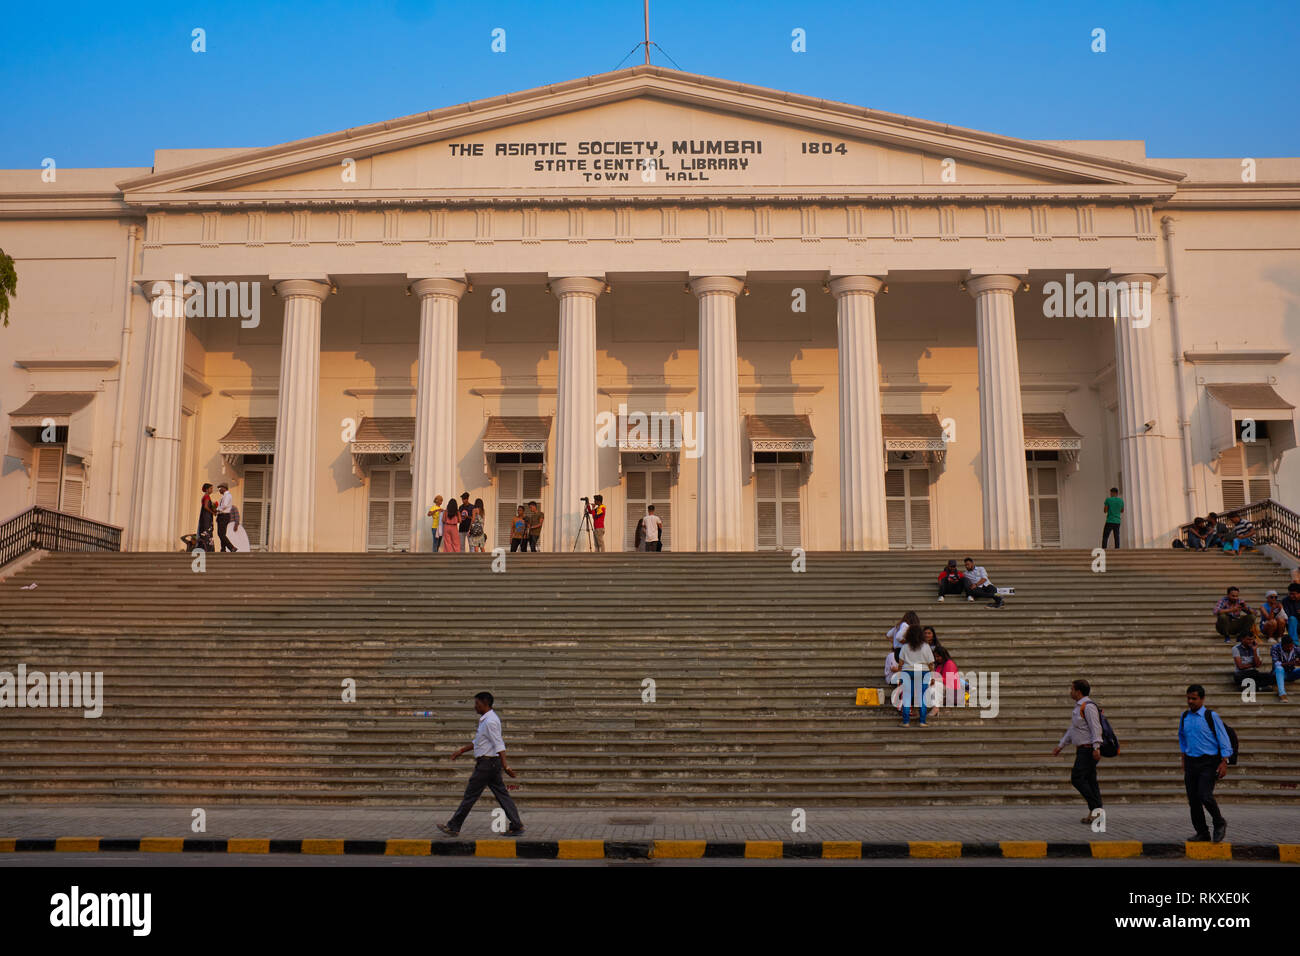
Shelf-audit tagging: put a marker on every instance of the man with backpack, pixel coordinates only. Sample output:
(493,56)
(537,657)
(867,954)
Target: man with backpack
(1207,746)
(1084,733)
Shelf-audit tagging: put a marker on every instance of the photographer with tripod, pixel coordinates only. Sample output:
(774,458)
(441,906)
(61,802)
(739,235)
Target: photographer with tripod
(596,512)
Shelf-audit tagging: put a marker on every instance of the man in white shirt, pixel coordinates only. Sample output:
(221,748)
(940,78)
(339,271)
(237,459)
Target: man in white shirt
(1084,733)
(979,585)
(652,528)
(489,760)
(224,508)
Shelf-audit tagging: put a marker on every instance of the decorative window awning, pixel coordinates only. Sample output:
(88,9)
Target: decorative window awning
(381,440)
(914,437)
(1230,403)
(653,438)
(516,434)
(71,414)
(780,433)
(248,436)
(1051,431)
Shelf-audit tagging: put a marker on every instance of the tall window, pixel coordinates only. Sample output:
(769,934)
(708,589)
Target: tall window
(519,481)
(1044,497)
(58,480)
(1244,474)
(256,508)
(907,503)
(388,524)
(650,484)
(777,478)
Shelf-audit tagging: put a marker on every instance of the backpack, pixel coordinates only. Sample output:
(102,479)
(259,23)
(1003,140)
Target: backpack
(1232,737)
(1109,740)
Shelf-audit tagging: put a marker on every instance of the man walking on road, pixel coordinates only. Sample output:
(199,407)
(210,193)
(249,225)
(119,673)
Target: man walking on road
(1206,748)
(1084,733)
(489,760)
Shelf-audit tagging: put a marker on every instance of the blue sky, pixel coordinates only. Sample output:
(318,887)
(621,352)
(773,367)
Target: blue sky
(106,84)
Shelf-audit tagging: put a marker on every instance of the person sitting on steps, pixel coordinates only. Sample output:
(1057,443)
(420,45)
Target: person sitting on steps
(979,585)
(950,580)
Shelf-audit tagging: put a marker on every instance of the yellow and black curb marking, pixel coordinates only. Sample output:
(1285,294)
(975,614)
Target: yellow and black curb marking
(672,849)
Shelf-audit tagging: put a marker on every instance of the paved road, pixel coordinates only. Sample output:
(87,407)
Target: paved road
(1150,823)
(222,860)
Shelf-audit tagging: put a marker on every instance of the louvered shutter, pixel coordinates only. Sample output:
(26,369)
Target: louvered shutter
(790,527)
(1231,480)
(634,486)
(49,475)
(1258,481)
(256,512)
(896,507)
(378,527)
(661,498)
(400,531)
(765,484)
(918,507)
(507,501)
(74,484)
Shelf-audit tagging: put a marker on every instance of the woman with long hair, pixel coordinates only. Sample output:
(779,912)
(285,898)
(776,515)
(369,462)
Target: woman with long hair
(518,529)
(477,534)
(898,633)
(915,660)
(450,528)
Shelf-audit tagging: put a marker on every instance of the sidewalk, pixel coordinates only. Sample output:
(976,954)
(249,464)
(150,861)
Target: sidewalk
(1166,823)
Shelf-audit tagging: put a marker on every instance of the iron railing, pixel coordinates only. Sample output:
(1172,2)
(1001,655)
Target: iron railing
(43,529)
(1274,524)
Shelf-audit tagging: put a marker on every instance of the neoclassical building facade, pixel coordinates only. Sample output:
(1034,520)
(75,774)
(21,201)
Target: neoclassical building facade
(781,320)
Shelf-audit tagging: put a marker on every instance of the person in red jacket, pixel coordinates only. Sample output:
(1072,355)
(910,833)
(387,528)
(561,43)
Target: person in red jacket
(950,579)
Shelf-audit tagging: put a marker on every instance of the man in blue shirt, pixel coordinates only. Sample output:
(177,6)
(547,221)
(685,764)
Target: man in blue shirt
(1205,760)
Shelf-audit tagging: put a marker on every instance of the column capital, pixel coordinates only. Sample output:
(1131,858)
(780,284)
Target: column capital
(993,283)
(151,288)
(1131,278)
(577,285)
(843,285)
(290,287)
(707,285)
(439,285)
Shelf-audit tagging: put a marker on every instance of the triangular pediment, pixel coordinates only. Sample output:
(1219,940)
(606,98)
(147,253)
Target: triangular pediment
(648,132)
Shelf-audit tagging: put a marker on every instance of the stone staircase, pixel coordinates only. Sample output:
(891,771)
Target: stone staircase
(226,686)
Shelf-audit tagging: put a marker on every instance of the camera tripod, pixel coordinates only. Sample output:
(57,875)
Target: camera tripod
(585,525)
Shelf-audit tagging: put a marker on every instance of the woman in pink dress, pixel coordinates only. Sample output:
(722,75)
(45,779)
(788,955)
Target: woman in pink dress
(450,529)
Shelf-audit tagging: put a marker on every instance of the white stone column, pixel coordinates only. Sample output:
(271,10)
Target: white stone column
(575,466)
(160,418)
(433,458)
(863,524)
(718,521)
(1002,427)
(1142,459)
(293,495)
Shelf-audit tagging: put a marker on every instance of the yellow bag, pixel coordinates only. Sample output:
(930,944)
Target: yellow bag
(868,697)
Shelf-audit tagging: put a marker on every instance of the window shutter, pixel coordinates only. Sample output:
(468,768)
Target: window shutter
(507,500)
(918,506)
(661,498)
(1259,482)
(402,506)
(379,513)
(74,486)
(533,486)
(49,474)
(766,537)
(1231,480)
(1049,520)
(896,513)
(790,524)
(256,511)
